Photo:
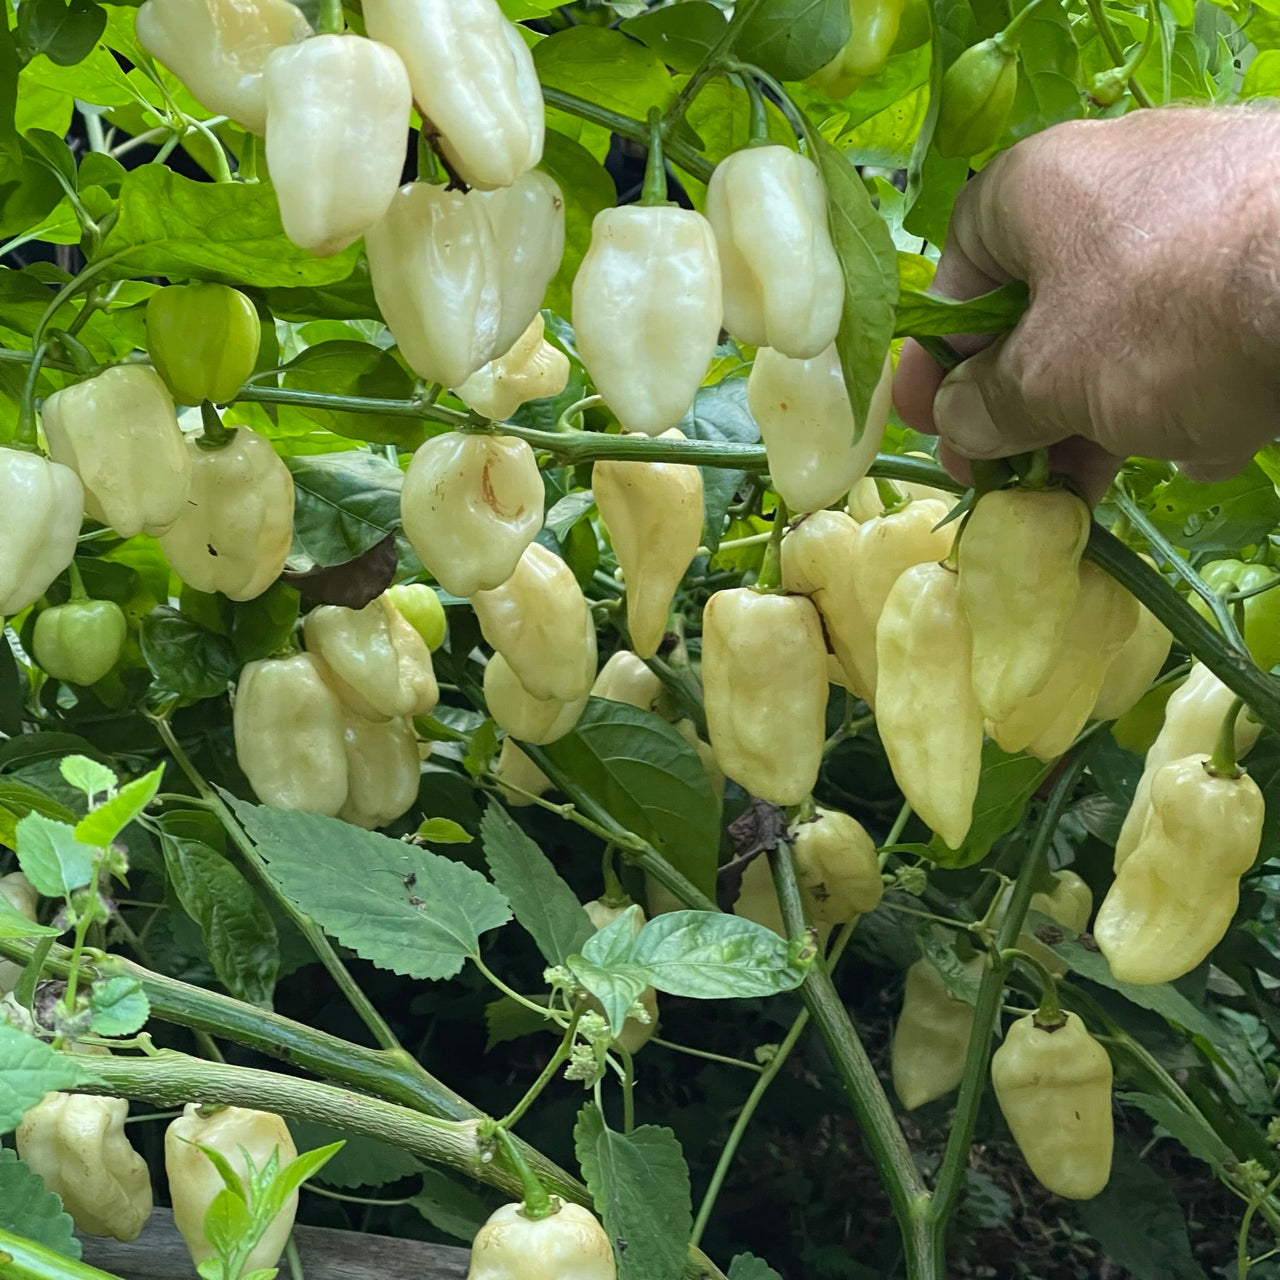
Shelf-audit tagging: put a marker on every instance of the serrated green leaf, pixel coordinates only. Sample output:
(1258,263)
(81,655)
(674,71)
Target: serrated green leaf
(51,857)
(101,826)
(29,1069)
(88,775)
(31,1211)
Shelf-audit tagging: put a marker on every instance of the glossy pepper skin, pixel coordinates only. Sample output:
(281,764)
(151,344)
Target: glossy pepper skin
(459,277)
(517,712)
(473,80)
(18,892)
(764,676)
(817,561)
(235,531)
(219,48)
(887,545)
(1134,668)
(1192,720)
(926,712)
(647,311)
(531,370)
(471,505)
(653,512)
(80,641)
(977,96)
(203,340)
(383,770)
(194,1182)
(783,287)
(635,1034)
(931,1037)
(1069,902)
(1019,578)
(289,728)
(1053,1085)
(337,116)
(41,508)
(808,428)
(77,1145)
(538,620)
(1261,612)
(421,608)
(1175,894)
(376,662)
(865,502)
(119,434)
(569,1245)
(875,28)
(625,678)
(836,866)
(1046,723)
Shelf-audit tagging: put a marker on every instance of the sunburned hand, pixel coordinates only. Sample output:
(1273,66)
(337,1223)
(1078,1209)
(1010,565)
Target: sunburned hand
(1151,245)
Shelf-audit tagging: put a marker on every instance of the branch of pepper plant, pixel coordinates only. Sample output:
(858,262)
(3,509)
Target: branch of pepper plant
(990,994)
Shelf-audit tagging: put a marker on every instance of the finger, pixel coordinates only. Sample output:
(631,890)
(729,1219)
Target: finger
(1089,465)
(981,410)
(915,382)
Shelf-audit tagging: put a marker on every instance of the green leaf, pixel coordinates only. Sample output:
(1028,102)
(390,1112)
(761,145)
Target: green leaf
(1007,784)
(346,503)
(88,775)
(239,934)
(449,1206)
(929,315)
(185,659)
(640,1185)
(443,830)
(13,924)
(362,1162)
(63,30)
(223,231)
(508,1019)
(1262,79)
(746,1266)
(29,1069)
(31,1211)
(708,955)
(1138,1222)
(869,262)
(17,799)
(606,969)
(791,39)
(1196,1136)
(51,857)
(681,35)
(720,413)
(604,67)
(1217,517)
(345,368)
(400,907)
(10,65)
(101,826)
(587,189)
(543,904)
(643,773)
(119,1007)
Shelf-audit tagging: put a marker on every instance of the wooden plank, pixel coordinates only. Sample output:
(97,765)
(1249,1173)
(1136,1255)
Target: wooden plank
(159,1254)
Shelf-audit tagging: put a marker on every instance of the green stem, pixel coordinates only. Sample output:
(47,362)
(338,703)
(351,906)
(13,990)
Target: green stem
(22,1259)
(561,1055)
(320,944)
(891,497)
(715,57)
(1009,37)
(1223,764)
(655,168)
(759,117)
(537,1203)
(1049,1011)
(214,434)
(880,1130)
(332,20)
(1105,30)
(955,1158)
(77,582)
(770,576)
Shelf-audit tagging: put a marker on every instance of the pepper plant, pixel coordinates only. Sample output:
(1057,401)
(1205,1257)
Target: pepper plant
(462,577)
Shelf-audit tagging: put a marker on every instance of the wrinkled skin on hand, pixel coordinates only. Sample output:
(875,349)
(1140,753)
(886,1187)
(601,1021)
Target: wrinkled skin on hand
(1155,301)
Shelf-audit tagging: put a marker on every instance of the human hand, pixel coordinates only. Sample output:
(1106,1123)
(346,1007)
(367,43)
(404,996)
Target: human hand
(1151,245)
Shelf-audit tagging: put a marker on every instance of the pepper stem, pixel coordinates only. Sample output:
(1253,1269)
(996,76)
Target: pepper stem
(614,894)
(537,1203)
(655,170)
(891,497)
(759,120)
(1222,764)
(770,576)
(1008,39)
(77,582)
(214,435)
(332,20)
(1049,1013)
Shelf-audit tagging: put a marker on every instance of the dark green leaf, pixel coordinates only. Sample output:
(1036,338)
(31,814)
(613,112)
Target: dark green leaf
(346,502)
(63,30)
(926,314)
(746,1266)
(543,904)
(720,413)
(869,262)
(1191,1130)
(449,1206)
(1218,517)
(643,773)
(31,1211)
(640,1185)
(681,35)
(587,189)
(362,1162)
(791,39)
(186,659)
(10,65)
(1007,784)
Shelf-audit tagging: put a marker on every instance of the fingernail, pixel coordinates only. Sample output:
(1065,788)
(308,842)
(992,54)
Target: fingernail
(963,421)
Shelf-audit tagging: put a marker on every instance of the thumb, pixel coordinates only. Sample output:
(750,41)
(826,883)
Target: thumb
(982,410)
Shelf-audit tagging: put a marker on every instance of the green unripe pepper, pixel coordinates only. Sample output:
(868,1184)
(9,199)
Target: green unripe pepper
(79,641)
(422,610)
(203,340)
(978,91)
(1261,628)
(873,30)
